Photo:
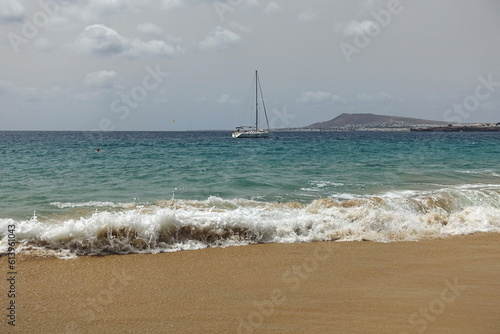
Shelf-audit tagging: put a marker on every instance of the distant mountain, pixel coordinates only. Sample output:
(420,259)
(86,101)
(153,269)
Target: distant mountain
(372,120)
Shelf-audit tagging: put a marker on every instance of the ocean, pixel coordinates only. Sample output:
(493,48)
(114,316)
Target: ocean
(97,193)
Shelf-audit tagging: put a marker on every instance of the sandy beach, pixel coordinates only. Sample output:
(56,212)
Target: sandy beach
(433,286)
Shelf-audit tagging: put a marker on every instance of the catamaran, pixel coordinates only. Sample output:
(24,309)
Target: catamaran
(254,131)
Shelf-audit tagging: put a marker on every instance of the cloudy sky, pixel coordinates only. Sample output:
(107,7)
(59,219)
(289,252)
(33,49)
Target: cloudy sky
(189,64)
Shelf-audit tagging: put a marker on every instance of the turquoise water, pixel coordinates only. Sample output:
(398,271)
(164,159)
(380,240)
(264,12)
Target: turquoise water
(153,178)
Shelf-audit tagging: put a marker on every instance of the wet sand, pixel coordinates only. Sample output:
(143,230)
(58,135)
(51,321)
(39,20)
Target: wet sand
(435,286)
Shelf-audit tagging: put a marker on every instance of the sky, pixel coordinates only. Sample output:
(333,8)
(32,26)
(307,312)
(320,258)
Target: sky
(173,65)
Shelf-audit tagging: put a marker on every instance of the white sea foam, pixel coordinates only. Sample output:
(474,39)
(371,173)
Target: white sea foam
(91,204)
(320,186)
(175,225)
(486,172)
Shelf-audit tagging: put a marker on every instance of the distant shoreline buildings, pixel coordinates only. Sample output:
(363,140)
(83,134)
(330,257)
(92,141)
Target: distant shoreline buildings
(372,122)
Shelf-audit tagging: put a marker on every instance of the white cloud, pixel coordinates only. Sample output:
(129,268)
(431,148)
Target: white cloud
(223,99)
(240,27)
(103,41)
(99,39)
(156,31)
(220,38)
(310,97)
(31,94)
(175,4)
(100,79)
(308,15)
(226,99)
(314,97)
(37,94)
(11,10)
(354,27)
(378,97)
(272,8)
(62,23)
(150,29)
(154,48)
(338,99)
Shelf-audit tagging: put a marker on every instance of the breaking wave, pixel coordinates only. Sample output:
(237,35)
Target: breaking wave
(174,225)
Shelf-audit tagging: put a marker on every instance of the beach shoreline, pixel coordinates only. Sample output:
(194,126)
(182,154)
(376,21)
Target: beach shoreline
(429,286)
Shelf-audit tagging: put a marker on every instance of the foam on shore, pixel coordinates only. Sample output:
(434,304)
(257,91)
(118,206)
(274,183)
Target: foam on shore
(96,228)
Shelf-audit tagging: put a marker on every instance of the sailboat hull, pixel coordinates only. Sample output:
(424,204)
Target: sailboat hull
(251,134)
(254,131)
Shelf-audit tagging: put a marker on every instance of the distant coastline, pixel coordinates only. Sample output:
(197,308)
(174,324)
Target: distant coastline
(373,122)
(461,128)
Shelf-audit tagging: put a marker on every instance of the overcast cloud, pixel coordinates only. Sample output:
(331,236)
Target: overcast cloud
(189,64)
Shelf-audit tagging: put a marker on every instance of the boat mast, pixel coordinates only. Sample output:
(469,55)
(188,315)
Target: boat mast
(256,102)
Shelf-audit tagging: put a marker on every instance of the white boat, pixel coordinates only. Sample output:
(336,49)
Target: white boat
(253,131)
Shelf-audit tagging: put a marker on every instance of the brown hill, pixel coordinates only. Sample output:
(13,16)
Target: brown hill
(372,120)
